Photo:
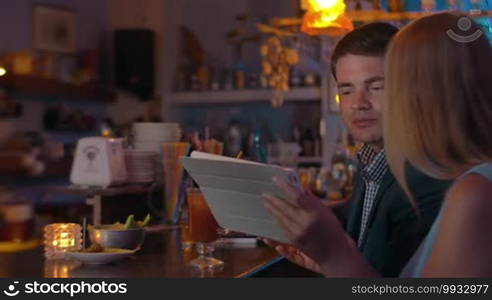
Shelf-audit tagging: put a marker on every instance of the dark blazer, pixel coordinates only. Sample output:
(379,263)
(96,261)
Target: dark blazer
(394,229)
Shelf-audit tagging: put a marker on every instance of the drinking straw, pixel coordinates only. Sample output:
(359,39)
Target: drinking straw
(196,141)
(84,232)
(174,175)
(207,133)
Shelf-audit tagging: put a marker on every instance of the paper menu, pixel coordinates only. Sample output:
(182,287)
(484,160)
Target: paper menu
(233,189)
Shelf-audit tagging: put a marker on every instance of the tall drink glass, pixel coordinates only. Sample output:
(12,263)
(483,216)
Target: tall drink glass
(203,230)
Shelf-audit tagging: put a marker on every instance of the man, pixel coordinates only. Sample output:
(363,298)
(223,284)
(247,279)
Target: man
(382,221)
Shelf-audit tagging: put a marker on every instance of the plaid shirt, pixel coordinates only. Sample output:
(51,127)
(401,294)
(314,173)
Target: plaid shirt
(374,167)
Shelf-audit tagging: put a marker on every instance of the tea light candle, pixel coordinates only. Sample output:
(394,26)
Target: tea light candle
(60,238)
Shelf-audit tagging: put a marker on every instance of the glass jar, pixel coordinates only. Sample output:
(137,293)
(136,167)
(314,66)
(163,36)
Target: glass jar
(16,218)
(60,238)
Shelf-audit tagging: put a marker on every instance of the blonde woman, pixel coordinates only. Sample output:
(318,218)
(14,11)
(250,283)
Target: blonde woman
(437,116)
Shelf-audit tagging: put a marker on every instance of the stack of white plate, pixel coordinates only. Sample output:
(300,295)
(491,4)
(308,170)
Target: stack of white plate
(140,166)
(151,136)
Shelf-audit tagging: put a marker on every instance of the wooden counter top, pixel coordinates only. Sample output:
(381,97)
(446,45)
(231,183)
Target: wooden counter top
(161,256)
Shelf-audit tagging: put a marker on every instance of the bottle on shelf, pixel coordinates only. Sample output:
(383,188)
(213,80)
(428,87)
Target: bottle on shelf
(263,81)
(228,80)
(234,139)
(252,81)
(195,83)
(476,7)
(428,5)
(453,5)
(295,79)
(307,143)
(215,83)
(339,175)
(310,79)
(240,80)
(258,150)
(203,76)
(396,5)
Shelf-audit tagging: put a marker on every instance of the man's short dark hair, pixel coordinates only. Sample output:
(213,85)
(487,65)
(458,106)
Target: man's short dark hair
(368,40)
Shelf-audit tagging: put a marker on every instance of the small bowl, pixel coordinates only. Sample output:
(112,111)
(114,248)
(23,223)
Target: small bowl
(108,237)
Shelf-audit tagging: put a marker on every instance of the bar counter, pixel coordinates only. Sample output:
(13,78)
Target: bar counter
(160,256)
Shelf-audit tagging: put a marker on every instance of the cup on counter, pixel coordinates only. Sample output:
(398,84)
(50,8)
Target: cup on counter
(203,230)
(202,224)
(186,240)
(16,218)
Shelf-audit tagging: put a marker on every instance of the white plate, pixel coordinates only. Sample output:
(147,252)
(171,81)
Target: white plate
(131,164)
(154,125)
(98,258)
(161,133)
(156,136)
(148,147)
(140,180)
(142,166)
(141,172)
(157,147)
(157,133)
(140,162)
(141,177)
(159,141)
(155,139)
(141,159)
(139,154)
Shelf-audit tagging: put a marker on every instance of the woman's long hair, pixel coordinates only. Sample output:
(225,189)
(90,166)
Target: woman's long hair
(438,104)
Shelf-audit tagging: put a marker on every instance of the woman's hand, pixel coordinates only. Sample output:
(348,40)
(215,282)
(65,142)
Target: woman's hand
(294,255)
(317,234)
(311,227)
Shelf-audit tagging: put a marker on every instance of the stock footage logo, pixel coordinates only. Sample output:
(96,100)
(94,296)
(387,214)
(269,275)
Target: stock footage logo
(64,288)
(11,290)
(464,24)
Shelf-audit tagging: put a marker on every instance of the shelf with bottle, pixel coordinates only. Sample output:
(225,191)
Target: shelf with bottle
(306,94)
(375,15)
(39,87)
(380,15)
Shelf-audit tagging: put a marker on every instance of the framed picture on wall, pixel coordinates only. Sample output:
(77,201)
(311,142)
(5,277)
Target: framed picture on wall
(54,29)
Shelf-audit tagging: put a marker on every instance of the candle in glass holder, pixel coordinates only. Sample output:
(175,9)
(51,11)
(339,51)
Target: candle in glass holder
(60,238)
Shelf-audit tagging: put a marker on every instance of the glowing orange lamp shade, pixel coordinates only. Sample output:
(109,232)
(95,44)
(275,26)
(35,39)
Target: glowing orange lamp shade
(326,17)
